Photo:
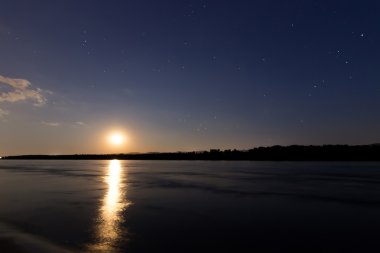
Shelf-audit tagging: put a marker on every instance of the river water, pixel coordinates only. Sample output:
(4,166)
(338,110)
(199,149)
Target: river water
(189,206)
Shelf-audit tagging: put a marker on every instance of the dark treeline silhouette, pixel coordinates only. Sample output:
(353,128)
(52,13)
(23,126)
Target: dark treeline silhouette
(274,153)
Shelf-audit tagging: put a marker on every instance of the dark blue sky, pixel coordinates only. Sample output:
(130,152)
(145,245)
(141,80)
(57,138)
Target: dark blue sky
(187,75)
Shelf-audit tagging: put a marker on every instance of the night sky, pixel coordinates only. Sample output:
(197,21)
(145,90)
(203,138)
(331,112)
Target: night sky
(187,75)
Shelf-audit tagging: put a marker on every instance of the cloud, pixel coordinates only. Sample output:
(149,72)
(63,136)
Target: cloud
(51,124)
(4,30)
(3,113)
(21,90)
(80,123)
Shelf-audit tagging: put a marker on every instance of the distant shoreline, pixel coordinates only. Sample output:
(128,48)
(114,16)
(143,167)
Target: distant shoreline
(274,153)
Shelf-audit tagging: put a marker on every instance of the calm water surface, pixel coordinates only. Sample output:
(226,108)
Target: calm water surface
(190,206)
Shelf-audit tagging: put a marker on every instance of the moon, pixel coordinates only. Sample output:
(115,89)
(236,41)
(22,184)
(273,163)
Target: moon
(116,139)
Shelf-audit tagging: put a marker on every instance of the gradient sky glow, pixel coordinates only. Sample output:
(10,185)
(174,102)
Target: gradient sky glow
(187,75)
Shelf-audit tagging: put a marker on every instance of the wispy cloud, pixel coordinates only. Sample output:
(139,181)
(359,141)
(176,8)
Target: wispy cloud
(51,124)
(4,30)
(3,113)
(80,123)
(13,90)
(21,90)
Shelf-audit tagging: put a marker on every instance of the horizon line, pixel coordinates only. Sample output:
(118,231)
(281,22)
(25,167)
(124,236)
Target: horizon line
(193,151)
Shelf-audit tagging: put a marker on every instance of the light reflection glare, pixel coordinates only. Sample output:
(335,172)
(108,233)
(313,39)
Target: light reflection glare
(108,230)
(113,195)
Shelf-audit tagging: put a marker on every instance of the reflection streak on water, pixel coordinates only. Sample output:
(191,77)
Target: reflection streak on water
(108,231)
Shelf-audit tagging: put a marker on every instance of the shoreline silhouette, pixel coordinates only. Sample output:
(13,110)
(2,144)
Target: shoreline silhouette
(273,153)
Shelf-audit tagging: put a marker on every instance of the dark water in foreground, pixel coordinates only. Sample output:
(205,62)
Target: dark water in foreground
(189,206)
